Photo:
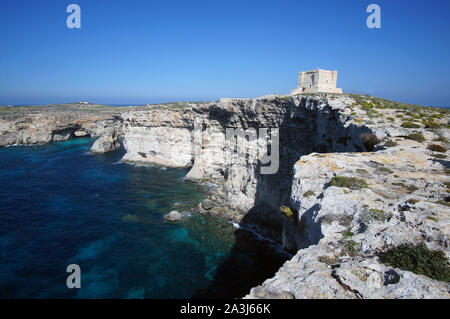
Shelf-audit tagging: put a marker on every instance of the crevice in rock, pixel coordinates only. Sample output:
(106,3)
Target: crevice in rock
(345,286)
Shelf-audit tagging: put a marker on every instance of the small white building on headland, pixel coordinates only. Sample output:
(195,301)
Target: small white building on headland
(317,81)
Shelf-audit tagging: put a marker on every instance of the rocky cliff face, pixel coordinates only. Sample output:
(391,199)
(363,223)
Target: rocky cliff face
(164,136)
(347,204)
(344,229)
(356,176)
(45,124)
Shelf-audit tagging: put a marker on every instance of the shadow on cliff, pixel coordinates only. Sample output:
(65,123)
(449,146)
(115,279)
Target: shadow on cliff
(302,131)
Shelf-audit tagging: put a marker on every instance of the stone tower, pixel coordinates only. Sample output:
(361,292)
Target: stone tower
(317,81)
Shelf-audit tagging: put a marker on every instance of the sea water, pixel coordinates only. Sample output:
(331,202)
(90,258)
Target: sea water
(60,205)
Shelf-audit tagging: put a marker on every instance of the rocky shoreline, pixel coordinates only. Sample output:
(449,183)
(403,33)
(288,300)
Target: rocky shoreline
(358,176)
(28,125)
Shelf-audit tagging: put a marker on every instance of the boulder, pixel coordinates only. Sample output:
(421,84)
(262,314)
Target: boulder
(207,204)
(173,216)
(105,144)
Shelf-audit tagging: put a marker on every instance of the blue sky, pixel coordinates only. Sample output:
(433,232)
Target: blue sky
(145,51)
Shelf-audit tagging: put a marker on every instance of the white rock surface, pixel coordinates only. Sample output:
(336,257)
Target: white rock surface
(173,216)
(105,144)
(319,139)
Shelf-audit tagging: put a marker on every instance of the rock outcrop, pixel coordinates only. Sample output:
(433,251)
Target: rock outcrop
(105,144)
(343,229)
(164,135)
(173,216)
(348,205)
(356,177)
(53,123)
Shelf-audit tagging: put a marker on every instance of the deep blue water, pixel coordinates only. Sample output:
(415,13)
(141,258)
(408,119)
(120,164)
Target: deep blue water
(60,205)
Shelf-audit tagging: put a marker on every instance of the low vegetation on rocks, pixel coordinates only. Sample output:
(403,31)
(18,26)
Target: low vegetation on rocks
(410,188)
(439,155)
(380,215)
(419,260)
(370,140)
(443,202)
(288,213)
(351,248)
(410,125)
(390,143)
(385,170)
(431,124)
(309,193)
(418,137)
(440,138)
(437,148)
(348,182)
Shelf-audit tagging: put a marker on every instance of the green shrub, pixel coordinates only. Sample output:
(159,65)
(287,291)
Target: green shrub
(343,220)
(328,260)
(286,211)
(437,116)
(369,140)
(418,137)
(390,143)
(419,260)
(379,215)
(367,105)
(309,193)
(439,156)
(437,148)
(385,170)
(349,182)
(352,248)
(410,125)
(347,234)
(410,188)
(400,184)
(431,124)
(443,202)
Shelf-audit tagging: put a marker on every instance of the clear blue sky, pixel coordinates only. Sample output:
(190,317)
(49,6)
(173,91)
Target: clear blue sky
(145,51)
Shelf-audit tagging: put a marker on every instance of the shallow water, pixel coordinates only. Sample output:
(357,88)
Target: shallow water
(60,205)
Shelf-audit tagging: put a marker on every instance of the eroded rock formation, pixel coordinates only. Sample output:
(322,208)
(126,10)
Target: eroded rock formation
(164,136)
(339,228)
(44,124)
(105,144)
(343,206)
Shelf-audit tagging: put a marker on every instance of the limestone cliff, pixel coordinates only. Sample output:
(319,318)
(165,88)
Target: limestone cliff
(44,124)
(164,136)
(338,229)
(357,176)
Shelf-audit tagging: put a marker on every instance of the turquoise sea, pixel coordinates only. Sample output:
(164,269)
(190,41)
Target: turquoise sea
(60,205)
